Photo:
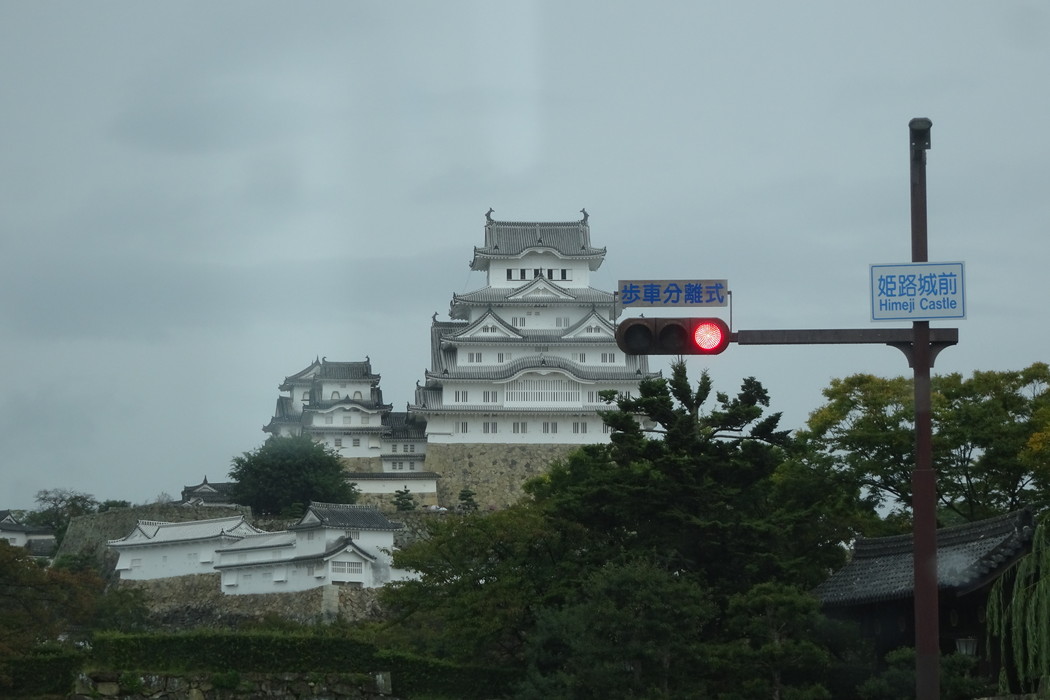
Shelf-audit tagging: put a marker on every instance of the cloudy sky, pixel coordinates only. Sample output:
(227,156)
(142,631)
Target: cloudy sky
(197,198)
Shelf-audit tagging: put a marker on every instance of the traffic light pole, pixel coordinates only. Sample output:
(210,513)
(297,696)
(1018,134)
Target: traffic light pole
(920,344)
(924,480)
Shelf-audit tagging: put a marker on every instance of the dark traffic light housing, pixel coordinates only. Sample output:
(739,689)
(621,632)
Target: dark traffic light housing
(672,336)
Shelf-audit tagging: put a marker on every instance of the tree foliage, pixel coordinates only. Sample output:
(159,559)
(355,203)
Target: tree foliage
(1019,616)
(57,507)
(621,574)
(38,604)
(403,500)
(289,470)
(991,439)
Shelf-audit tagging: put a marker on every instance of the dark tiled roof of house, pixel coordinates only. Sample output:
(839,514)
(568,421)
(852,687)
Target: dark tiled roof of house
(967,556)
(217,492)
(343,515)
(347,371)
(404,426)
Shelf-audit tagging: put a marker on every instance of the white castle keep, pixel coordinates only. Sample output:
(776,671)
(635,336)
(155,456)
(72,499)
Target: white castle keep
(520,361)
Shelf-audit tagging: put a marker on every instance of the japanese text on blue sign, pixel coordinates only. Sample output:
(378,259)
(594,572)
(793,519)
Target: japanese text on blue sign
(674,292)
(917,292)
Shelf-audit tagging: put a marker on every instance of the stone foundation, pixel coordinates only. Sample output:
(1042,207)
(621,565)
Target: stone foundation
(233,686)
(494,472)
(185,602)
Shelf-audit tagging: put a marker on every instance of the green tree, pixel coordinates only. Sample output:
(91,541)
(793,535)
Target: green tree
(403,500)
(57,507)
(989,441)
(467,504)
(630,629)
(780,651)
(714,491)
(289,470)
(697,502)
(39,604)
(482,579)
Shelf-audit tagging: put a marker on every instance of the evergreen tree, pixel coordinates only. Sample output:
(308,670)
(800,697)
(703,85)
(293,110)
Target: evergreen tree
(627,568)
(287,471)
(403,500)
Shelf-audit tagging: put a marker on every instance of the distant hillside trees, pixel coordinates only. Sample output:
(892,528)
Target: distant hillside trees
(57,507)
(286,473)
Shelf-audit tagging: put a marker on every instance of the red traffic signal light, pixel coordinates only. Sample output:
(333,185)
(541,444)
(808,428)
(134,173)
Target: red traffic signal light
(672,336)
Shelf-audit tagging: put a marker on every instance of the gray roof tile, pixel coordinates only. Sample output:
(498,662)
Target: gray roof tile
(967,556)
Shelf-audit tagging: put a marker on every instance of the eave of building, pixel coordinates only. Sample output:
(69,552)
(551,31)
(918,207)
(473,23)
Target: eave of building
(330,406)
(392,476)
(480,411)
(345,429)
(534,364)
(137,544)
(516,296)
(552,339)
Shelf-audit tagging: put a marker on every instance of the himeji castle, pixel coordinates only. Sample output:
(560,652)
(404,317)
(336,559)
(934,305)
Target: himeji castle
(515,377)
(524,358)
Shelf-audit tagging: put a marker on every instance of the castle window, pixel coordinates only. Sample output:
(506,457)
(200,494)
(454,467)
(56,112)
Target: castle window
(582,357)
(488,427)
(473,357)
(520,427)
(356,442)
(522,274)
(346,420)
(488,396)
(518,321)
(461,395)
(339,442)
(550,427)
(335,396)
(562,322)
(328,420)
(510,274)
(608,357)
(579,427)
(364,420)
(461,427)
(393,448)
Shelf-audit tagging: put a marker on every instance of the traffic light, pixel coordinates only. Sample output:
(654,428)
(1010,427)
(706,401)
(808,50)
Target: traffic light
(672,336)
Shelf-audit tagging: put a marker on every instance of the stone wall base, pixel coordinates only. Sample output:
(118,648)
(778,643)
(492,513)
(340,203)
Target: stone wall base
(233,686)
(495,473)
(183,602)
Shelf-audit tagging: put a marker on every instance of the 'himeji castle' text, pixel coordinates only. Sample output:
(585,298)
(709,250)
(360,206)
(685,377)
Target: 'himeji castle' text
(917,291)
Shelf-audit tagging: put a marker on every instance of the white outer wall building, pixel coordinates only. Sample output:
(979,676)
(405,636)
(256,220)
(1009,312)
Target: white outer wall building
(157,549)
(332,544)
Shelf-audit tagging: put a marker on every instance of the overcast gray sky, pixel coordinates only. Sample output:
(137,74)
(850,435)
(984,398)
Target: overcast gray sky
(198,198)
